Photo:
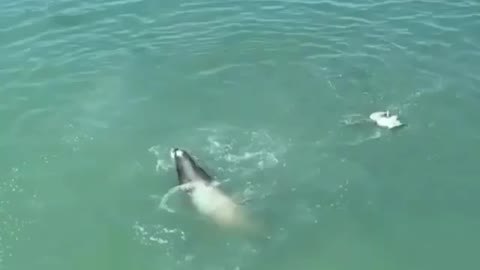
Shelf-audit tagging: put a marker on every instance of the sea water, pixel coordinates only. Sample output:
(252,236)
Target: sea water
(271,95)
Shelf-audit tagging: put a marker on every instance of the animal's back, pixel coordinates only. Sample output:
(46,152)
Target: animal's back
(214,203)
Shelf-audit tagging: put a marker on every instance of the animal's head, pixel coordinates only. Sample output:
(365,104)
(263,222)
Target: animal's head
(186,167)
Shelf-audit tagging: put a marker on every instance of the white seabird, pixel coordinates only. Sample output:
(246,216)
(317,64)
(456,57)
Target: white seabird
(384,119)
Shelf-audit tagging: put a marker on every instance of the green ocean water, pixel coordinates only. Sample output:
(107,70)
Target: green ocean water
(271,96)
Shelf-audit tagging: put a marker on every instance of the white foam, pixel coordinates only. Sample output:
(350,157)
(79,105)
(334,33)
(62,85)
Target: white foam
(162,163)
(156,234)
